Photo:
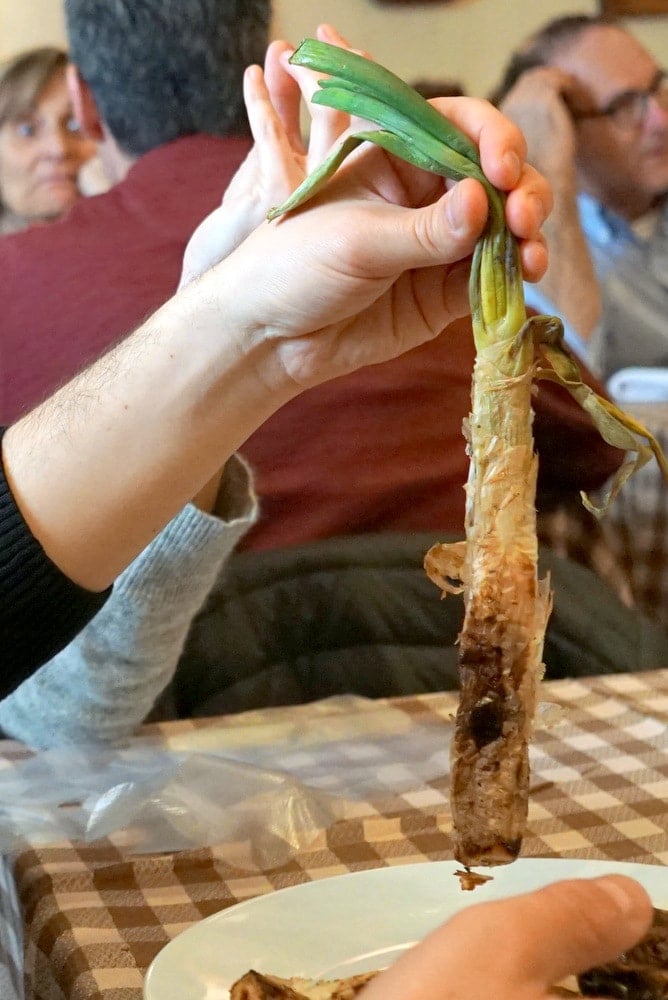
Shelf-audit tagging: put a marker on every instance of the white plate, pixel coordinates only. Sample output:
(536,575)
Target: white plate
(347,924)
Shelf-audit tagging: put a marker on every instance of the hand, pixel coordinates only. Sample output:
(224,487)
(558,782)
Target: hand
(539,105)
(278,160)
(352,278)
(519,948)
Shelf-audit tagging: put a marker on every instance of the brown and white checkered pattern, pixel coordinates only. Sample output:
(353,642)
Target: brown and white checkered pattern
(628,547)
(95,918)
(636,528)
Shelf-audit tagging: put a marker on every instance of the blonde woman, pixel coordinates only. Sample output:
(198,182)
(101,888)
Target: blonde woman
(41,149)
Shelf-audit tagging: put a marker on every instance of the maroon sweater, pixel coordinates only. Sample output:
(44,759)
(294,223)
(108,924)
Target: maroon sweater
(378,450)
(72,288)
(382,450)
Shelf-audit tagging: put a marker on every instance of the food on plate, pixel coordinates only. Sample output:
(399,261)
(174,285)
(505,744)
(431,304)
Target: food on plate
(496,568)
(255,986)
(469,880)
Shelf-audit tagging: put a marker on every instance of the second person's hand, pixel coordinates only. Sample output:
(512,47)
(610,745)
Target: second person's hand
(519,948)
(539,106)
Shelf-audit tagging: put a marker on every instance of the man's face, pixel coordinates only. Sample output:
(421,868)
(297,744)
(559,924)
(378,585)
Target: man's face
(625,166)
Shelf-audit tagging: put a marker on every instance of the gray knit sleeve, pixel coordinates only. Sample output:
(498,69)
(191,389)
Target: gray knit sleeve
(102,686)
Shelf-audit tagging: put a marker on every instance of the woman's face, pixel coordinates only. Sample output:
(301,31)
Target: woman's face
(41,155)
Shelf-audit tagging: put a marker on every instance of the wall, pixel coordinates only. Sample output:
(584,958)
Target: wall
(24,23)
(466,39)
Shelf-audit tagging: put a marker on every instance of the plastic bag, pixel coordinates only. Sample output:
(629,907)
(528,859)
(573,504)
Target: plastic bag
(264,792)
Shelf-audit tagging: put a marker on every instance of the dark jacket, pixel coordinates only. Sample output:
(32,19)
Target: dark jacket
(358,615)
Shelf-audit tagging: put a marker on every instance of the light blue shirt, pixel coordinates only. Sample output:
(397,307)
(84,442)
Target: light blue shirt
(633,272)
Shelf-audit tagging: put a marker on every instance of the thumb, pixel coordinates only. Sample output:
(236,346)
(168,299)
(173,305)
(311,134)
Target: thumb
(524,945)
(571,926)
(443,232)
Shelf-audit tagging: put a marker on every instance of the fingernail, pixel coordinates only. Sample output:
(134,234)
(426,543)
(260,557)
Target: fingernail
(513,165)
(614,886)
(453,209)
(333,33)
(539,208)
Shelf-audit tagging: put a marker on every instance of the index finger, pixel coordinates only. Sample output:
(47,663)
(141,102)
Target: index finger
(284,91)
(502,146)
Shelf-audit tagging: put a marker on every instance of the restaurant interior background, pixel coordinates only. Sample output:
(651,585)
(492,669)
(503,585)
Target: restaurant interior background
(467,40)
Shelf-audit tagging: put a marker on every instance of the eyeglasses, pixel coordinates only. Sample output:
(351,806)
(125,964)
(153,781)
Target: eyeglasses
(629,109)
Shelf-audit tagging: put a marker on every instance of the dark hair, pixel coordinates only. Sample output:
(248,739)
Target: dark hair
(545,43)
(160,69)
(24,77)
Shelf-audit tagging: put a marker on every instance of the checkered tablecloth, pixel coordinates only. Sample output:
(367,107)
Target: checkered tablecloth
(636,528)
(95,918)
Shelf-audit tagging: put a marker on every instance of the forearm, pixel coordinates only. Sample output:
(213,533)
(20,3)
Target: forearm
(102,686)
(570,281)
(117,452)
(537,106)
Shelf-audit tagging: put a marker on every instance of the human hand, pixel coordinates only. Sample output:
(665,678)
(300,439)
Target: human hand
(352,278)
(539,105)
(278,161)
(519,948)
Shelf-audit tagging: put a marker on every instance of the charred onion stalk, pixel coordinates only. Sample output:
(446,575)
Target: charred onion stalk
(506,605)
(496,568)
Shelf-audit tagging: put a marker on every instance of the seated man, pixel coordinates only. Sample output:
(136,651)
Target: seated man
(592,102)
(159,88)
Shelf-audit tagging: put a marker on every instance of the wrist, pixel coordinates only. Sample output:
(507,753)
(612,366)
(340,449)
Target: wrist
(243,314)
(229,361)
